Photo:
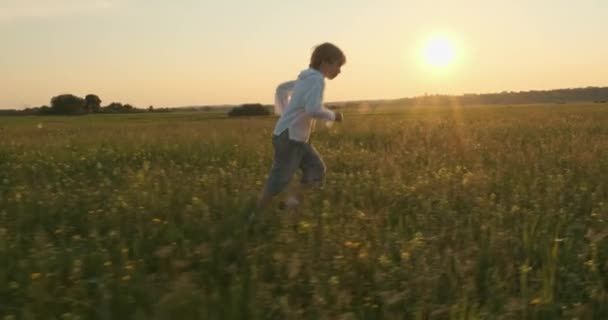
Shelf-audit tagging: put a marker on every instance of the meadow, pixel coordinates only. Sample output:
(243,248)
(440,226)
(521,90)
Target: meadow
(479,212)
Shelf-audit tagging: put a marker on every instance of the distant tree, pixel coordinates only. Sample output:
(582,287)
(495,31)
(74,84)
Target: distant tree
(92,103)
(251,109)
(68,104)
(29,111)
(10,112)
(117,107)
(128,108)
(45,110)
(113,107)
(151,109)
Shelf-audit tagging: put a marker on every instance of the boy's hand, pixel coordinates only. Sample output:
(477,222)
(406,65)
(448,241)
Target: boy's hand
(339,117)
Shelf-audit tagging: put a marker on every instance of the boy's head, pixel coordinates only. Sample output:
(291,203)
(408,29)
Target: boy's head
(327,59)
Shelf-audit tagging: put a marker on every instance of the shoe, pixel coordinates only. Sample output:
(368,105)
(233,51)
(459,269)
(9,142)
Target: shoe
(292,203)
(289,204)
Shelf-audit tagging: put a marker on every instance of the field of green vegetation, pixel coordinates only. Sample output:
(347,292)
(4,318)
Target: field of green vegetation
(427,213)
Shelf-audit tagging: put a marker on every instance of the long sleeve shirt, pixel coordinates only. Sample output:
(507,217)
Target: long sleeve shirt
(300,103)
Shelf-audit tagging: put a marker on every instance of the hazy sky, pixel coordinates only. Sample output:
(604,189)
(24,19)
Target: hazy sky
(187,52)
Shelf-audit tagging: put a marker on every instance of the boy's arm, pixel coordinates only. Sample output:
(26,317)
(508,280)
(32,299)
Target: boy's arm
(282,95)
(314,104)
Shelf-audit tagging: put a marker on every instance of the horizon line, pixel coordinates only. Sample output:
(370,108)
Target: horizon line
(224,105)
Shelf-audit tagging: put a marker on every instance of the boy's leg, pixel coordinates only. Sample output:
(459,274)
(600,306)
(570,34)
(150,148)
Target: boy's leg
(264,199)
(279,177)
(313,168)
(286,160)
(313,173)
(293,193)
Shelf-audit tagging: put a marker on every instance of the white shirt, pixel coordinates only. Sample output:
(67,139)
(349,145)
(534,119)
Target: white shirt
(299,103)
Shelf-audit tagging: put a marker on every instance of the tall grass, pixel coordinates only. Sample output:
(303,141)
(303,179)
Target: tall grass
(427,213)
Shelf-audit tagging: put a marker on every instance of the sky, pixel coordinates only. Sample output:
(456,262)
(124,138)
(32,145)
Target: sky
(209,52)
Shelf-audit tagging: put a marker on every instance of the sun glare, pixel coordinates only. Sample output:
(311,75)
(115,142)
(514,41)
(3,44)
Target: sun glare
(439,52)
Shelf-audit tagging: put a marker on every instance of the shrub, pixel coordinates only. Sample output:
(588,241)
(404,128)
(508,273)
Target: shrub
(252,109)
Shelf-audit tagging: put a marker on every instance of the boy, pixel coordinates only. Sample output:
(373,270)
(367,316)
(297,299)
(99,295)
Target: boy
(300,103)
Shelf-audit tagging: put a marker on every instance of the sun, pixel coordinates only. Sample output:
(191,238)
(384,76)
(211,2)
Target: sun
(439,52)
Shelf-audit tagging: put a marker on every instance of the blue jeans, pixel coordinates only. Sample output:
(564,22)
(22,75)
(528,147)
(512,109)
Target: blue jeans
(290,155)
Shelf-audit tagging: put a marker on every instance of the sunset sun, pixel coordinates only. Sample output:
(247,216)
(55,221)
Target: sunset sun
(439,52)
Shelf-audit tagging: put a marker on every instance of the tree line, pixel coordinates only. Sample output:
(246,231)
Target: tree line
(557,96)
(69,104)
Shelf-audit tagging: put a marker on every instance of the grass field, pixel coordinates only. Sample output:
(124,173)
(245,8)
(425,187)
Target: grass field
(427,213)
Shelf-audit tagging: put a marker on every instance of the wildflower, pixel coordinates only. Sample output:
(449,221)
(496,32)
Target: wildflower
(525,268)
(383,259)
(363,254)
(418,240)
(591,265)
(352,244)
(304,226)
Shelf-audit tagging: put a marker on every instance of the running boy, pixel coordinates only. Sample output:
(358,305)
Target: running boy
(300,103)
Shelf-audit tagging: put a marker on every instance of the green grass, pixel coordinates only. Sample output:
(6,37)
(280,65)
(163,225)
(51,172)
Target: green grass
(427,213)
